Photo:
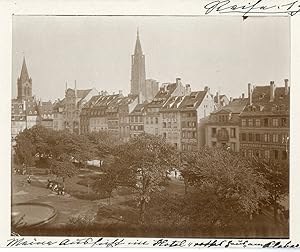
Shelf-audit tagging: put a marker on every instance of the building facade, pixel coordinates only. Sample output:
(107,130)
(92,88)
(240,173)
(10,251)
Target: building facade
(46,114)
(264,123)
(194,107)
(73,102)
(58,115)
(223,125)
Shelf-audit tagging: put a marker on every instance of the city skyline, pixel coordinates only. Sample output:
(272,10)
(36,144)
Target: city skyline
(171,46)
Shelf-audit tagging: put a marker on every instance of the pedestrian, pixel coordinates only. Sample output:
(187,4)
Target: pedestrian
(29,179)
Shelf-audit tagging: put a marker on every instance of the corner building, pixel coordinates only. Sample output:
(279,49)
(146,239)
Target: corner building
(264,123)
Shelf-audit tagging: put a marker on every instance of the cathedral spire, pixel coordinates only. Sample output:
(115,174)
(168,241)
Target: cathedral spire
(24,73)
(138,47)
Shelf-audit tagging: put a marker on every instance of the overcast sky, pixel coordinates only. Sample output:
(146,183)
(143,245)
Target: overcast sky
(224,53)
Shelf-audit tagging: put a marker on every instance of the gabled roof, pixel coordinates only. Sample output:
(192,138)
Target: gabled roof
(172,103)
(193,100)
(261,102)
(236,106)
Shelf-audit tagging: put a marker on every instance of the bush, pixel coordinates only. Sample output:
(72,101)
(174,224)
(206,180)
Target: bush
(88,196)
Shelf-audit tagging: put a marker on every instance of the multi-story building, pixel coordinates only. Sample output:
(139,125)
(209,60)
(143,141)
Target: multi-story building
(96,112)
(108,113)
(136,118)
(46,114)
(152,116)
(170,115)
(32,112)
(58,115)
(265,123)
(74,101)
(126,106)
(18,118)
(194,107)
(223,125)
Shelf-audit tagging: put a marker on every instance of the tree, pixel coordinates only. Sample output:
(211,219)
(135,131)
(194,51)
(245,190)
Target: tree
(146,159)
(25,150)
(277,176)
(226,187)
(104,144)
(63,167)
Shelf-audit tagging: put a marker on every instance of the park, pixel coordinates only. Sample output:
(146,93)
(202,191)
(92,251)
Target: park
(140,188)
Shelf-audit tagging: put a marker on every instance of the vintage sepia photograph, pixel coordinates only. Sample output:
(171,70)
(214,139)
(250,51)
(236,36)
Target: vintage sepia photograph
(150,126)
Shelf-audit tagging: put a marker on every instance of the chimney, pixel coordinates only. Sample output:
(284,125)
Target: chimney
(120,92)
(230,99)
(250,93)
(218,97)
(188,89)
(178,81)
(66,86)
(243,96)
(75,89)
(206,88)
(272,90)
(286,86)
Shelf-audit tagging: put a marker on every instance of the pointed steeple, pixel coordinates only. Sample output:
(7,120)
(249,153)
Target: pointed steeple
(138,47)
(24,73)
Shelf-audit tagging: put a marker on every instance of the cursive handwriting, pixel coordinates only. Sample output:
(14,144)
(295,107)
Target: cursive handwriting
(124,242)
(258,7)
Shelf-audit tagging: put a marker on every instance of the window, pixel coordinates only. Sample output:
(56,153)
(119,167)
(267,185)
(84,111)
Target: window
(275,138)
(266,122)
(250,153)
(250,137)
(169,124)
(283,122)
(257,122)
(165,135)
(213,132)
(257,137)
(156,120)
(276,154)
(232,133)
(284,155)
(257,153)
(214,143)
(164,124)
(266,137)
(250,122)
(243,136)
(232,146)
(275,122)
(244,122)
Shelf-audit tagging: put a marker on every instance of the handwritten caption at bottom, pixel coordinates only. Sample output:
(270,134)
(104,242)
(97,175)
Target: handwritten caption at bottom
(126,242)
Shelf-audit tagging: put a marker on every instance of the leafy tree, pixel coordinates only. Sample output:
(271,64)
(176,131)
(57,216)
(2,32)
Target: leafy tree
(146,159)
(104,144)
(63,167)
(25,150)
(226,187)
(277,176)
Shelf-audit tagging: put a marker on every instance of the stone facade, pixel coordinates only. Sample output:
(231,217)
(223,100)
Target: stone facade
(264,123)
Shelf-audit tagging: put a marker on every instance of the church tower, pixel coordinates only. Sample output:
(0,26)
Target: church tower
(24,83)
(138,74)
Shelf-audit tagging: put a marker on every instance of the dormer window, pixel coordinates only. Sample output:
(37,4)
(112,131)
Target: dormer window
(262,96)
